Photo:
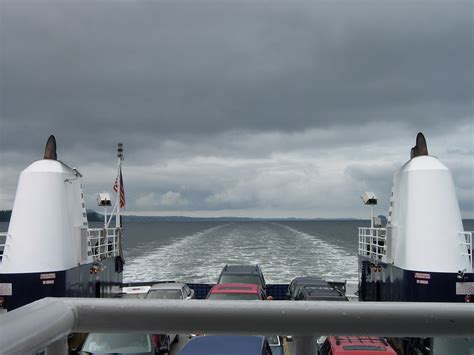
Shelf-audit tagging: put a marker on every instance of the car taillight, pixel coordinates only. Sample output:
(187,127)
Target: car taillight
(155,338)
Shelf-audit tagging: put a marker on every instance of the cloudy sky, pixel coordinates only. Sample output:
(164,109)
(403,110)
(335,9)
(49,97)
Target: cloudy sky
(238,108)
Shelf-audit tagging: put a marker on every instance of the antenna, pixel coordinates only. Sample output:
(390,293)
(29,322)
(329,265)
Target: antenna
(118,217)
(117,188)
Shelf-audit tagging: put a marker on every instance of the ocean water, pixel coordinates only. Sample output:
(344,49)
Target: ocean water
(197,251)
(284,249)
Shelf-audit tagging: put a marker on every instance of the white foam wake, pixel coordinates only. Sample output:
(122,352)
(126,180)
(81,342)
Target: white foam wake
(283,253)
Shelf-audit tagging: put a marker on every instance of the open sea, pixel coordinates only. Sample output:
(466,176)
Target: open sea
(197,251)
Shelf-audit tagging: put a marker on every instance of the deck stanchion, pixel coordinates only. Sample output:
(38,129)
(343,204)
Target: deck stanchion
(305,345)
(57,348)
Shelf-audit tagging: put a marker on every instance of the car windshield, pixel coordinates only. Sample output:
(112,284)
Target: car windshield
(240,279)
(233,296)
(164,294)
(117,343)
(273,340)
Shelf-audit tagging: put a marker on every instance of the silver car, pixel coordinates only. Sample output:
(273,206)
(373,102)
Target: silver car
(122,343)
(169,291)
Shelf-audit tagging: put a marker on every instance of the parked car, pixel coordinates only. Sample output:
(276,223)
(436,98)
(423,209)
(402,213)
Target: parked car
(168,291)
(236,292)
(136,292)
(120,343)
(227,344)
(299,282)
(318,293)
(243,274)
(352,345)
(276,344)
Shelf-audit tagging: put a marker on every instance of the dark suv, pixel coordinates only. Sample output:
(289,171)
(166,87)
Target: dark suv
(298,283)
(243,274)
(318,293)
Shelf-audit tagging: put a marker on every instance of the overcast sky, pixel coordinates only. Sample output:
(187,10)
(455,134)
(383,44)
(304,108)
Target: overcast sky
(238,108)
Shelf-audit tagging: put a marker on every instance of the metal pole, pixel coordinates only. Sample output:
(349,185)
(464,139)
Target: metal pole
(372,218)
(117,215)
(57,348)
(39,324)
(119,176)
(306,345)
(105,217)
(301,318)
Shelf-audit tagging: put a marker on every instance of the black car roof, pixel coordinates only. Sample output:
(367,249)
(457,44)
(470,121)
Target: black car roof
(316,292)
(241,269)
(309,280)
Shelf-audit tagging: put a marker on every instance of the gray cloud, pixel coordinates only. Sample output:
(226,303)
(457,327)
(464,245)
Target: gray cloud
(226,105)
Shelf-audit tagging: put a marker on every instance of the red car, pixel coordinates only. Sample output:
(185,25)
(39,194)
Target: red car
(352,345)
(236,292)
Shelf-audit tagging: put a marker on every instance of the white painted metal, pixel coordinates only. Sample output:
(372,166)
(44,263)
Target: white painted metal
(46,215)
(48,230)
(425,218)
(39,324)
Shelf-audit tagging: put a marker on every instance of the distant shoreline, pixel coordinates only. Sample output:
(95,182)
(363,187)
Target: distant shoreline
(93,216)
(226,219)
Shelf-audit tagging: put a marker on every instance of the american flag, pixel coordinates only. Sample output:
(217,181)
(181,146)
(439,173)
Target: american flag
(118,185)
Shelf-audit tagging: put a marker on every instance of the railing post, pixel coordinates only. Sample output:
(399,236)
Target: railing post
(59,347)
(306,345)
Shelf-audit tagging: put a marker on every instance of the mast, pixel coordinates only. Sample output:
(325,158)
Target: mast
(118,223)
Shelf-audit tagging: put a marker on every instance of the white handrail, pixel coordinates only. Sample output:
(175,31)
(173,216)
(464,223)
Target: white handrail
(373,242)
(103,243)
(38,325)
(4,244)
(467,242)
(4,234)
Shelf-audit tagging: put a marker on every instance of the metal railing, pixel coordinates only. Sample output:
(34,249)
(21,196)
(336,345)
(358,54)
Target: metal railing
(3,244)
(373,243)
(44,324)
(466,241)
(103,243)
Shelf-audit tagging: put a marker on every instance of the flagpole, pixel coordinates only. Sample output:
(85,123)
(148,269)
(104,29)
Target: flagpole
(119,178)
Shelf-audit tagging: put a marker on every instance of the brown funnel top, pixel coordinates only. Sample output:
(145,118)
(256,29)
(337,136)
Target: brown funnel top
(50,150)
(420,148)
